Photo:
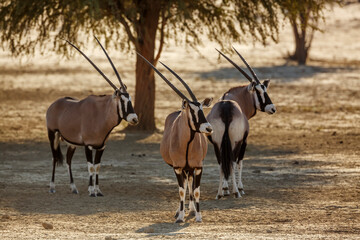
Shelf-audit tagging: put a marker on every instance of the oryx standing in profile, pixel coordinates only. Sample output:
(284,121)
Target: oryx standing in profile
(87,122)
(229,118)
(184,145)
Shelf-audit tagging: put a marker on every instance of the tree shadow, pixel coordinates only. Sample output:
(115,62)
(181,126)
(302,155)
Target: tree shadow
(282,73)
(167,229)
(134,178)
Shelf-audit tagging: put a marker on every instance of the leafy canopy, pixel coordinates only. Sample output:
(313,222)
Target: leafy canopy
(26,25)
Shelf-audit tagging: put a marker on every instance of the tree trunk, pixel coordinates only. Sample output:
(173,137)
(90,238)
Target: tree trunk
(300,54)
(145,80)
(301,50)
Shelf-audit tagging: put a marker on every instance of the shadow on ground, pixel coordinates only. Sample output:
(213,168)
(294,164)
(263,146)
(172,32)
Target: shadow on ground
(282,73)
(134,178)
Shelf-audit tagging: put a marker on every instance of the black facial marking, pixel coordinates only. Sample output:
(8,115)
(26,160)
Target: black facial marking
(266,96)
(130,108)
(201,116)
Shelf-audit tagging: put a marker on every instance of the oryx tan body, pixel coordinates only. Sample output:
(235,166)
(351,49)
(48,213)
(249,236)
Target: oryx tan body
(84,122)
(243,98)
(175,147)
(87,122)
(184,145)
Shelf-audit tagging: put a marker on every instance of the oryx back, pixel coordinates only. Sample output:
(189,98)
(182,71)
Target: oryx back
(243,98)
(94,116)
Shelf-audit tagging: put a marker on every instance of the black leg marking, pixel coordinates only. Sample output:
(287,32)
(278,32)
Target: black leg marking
(69,155)
(89,158)
(180,176)
(53,171)
(90,181)
(197,178)
(181,205)
(57,157)
(217,153)
(243,148)
(97,160)
(197,207)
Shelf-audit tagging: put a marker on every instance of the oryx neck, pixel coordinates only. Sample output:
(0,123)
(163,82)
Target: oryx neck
(243,98)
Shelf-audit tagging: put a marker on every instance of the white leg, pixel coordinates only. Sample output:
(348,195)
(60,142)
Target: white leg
(97,188)
(72,185)
(52,187)
(240,184)
(92,176)
(198,173)
(180,213)
(181,210)
(73,188)
(225,188)
(192,209)
(220,190)
(235,190)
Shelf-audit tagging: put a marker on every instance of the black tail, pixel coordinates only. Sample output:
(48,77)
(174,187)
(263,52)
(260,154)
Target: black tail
(57,155)
(227,155)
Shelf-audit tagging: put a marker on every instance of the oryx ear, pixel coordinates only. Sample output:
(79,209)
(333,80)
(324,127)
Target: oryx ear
(184,104)
(117,93)
(251,86)
(207,102)
(266,83)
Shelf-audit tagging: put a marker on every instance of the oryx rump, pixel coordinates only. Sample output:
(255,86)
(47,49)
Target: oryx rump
(229,118)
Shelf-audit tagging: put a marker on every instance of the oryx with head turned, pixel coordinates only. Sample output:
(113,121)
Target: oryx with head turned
(229,118)
(184,145)
(87,122)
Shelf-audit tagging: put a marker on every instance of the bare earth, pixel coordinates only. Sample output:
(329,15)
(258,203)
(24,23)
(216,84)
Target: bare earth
(301,170)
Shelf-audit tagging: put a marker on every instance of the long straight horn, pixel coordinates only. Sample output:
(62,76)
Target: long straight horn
(236,66)
(116,72)
(248,66)
(97,69)
(164,78)
(182,81)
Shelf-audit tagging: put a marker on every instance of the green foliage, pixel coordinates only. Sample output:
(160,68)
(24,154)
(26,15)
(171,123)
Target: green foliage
(27,26)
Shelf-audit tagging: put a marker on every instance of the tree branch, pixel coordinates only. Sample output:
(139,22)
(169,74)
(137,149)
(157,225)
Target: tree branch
(128,30)
(162,29)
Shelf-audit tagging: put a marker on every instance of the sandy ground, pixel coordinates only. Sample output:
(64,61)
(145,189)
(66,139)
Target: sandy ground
(301,170)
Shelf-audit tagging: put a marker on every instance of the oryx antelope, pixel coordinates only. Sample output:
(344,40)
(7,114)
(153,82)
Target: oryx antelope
(87,122)
(229,118)
(184,145)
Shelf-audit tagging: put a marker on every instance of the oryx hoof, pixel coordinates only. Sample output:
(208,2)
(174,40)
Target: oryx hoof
(198,218)
(99,194)
(52,190)
(241,190)
(219,196)
(75,191)
(179,221)
(226,191)
(92,195)
(237,195)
